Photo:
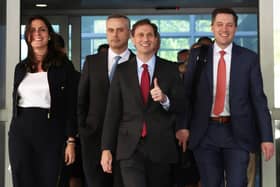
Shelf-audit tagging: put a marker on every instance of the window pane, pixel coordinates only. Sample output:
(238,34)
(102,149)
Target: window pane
(203,23)
(100,26)
(250,42)
(247,22)
(174,26)
(168,54)
(177,32)
(89,46)
(87,24)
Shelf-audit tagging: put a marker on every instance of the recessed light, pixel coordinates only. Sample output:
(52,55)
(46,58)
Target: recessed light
(41,5)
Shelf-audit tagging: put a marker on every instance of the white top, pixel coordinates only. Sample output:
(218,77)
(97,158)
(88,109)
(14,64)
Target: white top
(34,91)
(111,56)
(227,57)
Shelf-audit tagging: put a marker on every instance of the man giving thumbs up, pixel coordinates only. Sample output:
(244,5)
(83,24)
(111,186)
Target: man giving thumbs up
(145,95)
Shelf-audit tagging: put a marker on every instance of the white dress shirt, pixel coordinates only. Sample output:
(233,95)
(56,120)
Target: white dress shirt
(111,56)
(227,57)
(151,68)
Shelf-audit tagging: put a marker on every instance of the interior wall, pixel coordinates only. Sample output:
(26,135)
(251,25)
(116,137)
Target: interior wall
(12,58)
(267,65)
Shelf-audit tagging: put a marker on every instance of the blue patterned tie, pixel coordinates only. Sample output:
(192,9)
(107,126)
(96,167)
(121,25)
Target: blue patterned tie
(116,60)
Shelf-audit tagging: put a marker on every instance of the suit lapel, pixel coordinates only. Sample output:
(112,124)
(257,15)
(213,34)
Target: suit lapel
(104,68)
(235,65)
(132,77)
(21,74)
(209,67)
(156,74)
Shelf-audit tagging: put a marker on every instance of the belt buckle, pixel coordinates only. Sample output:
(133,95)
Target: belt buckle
(220,120)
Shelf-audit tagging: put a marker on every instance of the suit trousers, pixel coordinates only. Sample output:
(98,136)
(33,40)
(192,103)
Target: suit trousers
(35,148)
(94,175)
(140,171)
(218,155)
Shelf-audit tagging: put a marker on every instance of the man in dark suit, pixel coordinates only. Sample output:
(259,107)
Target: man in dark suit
(92,97)
(139,121)
(227,112)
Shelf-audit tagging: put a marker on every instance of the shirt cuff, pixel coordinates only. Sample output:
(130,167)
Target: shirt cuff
(166,103)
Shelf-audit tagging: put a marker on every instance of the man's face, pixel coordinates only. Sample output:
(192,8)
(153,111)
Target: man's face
(183,57)
(117,30)
(144,40)
(224,29)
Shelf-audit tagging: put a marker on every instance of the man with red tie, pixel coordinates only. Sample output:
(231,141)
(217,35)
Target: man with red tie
(146,93)
(227,113)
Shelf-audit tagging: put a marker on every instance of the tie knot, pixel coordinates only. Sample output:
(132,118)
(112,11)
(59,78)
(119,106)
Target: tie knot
(222,52)
(145,66)
(117,58)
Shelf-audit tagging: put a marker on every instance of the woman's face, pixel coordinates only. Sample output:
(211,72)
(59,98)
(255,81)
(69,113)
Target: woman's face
(39,34)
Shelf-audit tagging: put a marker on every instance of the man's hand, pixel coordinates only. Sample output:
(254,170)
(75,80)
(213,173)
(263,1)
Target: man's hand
(157,94)
(267,150)
(69,153)
(182,136)
(106,161)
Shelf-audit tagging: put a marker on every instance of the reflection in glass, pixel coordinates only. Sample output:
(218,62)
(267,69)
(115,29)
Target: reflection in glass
(2,52)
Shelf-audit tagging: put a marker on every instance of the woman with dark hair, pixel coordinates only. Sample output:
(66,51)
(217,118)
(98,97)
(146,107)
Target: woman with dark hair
(44,110)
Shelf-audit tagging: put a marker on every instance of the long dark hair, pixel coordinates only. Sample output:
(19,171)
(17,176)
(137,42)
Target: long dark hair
(53,56)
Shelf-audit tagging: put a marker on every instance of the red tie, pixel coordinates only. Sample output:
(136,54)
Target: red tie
(221,86)
(145,88)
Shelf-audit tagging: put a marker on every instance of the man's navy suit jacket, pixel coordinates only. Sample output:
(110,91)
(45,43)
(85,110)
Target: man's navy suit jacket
(250,117)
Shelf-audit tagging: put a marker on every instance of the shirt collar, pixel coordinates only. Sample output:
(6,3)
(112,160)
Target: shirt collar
(217,49)
(151,62)
(123,54)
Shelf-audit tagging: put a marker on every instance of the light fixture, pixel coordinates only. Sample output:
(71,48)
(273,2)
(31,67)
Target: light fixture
(41,5)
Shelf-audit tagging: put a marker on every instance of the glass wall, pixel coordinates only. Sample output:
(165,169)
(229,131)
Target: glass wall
(177,32)
(2,51)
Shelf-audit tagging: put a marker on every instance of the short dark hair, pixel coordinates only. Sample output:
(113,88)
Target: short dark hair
(119,16)
(144,22)
(183,51)
(224,11)
(60,43)
(102,46)
(204,38)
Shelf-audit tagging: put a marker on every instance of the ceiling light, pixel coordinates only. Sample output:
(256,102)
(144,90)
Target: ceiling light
(41,5)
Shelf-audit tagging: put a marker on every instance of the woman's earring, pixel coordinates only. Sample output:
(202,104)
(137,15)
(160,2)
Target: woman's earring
(49,38)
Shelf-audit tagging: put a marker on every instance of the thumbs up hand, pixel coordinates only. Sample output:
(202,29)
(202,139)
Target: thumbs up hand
(157,93)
